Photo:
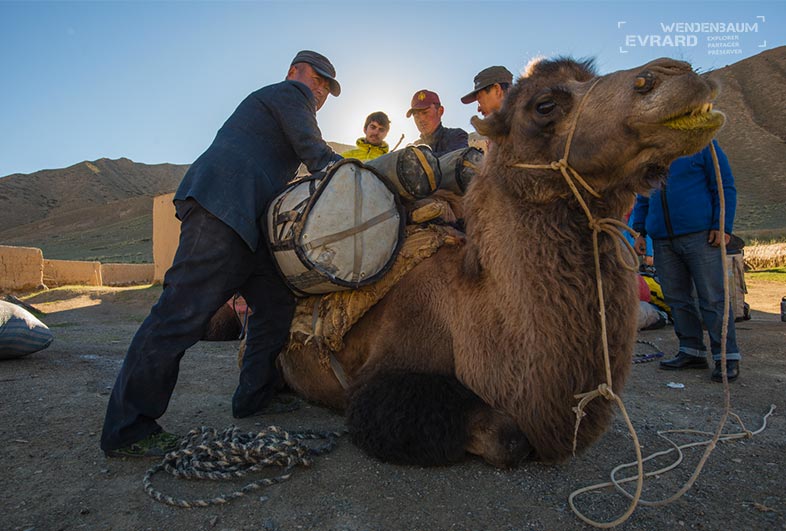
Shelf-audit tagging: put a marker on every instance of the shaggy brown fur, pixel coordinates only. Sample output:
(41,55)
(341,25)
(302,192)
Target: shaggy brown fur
(513,314)
(225,325)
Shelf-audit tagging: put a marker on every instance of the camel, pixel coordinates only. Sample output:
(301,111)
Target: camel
(482,347)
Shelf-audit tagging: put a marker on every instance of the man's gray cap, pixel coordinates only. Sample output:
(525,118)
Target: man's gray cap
(322,65)
(487,77)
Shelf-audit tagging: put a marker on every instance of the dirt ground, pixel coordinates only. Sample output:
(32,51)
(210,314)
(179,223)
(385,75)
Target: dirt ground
(54,477)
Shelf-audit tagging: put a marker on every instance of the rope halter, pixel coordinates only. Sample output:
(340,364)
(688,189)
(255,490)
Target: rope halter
(613,227)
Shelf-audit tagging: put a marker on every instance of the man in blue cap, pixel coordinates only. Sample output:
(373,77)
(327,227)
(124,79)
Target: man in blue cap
(220,203)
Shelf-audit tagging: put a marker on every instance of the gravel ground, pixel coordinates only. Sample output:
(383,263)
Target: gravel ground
(54,476)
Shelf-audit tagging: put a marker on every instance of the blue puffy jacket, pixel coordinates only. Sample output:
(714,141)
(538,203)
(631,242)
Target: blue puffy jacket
(689,202)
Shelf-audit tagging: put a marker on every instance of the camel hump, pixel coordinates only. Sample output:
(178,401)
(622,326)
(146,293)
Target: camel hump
(328,318)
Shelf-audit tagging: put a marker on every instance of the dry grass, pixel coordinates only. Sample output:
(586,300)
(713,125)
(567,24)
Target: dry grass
(765,256)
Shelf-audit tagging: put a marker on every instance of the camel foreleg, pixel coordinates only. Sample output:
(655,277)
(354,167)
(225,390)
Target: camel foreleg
(429,419)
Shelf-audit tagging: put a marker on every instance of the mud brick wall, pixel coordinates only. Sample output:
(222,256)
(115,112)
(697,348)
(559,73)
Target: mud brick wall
(126,274)
(21,268)
(166,234)
(67,272)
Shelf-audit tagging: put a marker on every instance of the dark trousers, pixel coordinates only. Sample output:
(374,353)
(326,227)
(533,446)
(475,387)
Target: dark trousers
(689,261)
(212,263)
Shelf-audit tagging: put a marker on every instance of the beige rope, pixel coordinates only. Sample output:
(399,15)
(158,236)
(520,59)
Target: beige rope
(614,228)
(398,143)
(744,434)
(207,453)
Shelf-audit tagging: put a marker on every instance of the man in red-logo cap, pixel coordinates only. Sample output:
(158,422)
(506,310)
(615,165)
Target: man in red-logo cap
(427,112)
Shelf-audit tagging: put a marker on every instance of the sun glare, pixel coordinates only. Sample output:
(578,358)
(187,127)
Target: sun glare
(341,120)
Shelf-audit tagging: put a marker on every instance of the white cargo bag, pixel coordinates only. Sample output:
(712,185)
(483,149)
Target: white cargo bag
(335,230)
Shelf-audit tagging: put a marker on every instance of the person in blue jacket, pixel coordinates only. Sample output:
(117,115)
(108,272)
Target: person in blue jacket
(220,203)
(683,220)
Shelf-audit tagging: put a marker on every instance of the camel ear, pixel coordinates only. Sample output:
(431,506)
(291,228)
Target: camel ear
(495,127)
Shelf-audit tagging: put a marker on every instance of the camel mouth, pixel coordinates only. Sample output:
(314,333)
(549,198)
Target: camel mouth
(699,117)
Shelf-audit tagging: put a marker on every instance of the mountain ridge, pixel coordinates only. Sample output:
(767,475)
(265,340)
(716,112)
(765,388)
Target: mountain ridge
(92,210)
(102,210)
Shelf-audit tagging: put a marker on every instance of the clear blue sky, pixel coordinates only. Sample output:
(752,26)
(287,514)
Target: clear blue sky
(153,81)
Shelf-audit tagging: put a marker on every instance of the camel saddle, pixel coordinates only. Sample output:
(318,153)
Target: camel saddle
(321,321)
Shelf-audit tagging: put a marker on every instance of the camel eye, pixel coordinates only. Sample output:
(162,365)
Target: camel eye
(545,107)
(644,82)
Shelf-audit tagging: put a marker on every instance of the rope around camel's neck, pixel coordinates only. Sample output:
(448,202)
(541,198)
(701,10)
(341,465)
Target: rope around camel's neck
(612,227)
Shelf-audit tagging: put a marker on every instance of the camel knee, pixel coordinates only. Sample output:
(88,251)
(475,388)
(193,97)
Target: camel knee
(313,380)
(411,418)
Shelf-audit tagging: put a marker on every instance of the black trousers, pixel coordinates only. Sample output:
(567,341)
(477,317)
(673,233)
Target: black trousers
(212,263)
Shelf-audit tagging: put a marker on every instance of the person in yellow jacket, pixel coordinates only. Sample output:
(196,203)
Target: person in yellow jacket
(373,144)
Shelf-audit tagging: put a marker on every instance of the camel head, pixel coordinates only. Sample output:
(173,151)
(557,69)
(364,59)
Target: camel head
(632,124)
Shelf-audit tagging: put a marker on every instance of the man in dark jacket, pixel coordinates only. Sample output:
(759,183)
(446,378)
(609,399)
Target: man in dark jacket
(427,111)
(220,204)
(683,220)
(491,87)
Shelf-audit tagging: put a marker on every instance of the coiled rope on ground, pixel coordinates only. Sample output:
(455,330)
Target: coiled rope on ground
(207,453)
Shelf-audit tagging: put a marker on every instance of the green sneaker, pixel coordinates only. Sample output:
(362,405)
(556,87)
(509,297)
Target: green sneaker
(156,445)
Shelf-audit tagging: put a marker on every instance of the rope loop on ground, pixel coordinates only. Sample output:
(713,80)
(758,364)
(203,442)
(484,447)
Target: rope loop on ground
(209,454)
(617,483)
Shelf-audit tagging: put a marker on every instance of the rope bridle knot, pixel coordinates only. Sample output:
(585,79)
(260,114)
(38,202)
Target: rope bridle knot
(603,390)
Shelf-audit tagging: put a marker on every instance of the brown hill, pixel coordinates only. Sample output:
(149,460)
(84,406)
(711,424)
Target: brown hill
(754,138)
(99,210)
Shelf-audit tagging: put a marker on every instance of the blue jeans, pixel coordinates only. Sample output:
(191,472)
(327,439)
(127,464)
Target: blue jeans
(211,264)
(682,263)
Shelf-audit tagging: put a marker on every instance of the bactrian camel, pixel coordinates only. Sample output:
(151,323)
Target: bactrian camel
(482,347)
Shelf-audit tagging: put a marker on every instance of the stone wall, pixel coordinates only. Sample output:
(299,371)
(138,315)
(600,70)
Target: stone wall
(66,272)
(166,234)
(126,274)
(21,268)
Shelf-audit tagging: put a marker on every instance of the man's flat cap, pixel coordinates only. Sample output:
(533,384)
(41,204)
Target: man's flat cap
(322,66)
(487,77)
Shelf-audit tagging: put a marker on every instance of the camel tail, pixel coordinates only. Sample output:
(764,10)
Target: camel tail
(411,418)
